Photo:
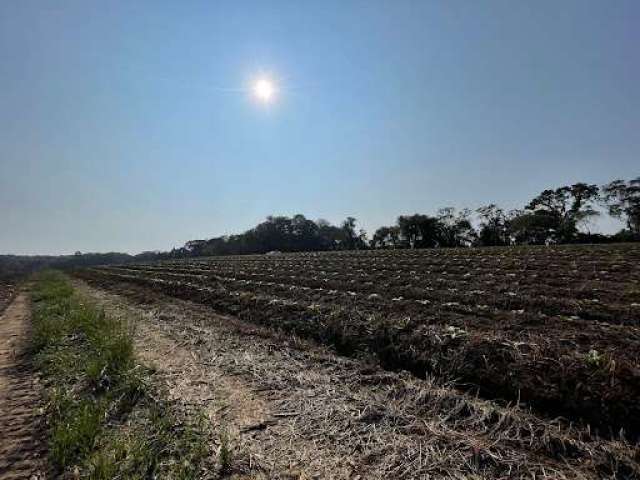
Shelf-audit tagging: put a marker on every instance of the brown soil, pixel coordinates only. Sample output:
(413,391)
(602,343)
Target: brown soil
(21,452)
(297,410)
(7,292)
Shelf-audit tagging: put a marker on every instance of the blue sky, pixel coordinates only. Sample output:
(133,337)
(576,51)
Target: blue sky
(126,125)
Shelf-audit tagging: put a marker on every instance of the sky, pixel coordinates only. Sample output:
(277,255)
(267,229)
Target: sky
(130,126)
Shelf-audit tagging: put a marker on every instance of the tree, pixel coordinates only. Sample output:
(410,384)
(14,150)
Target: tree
(532,228)
(349,229)
(305,233)
(564,209)
(385,237)
(455,230)
(351,239)
(330,235)
(623,200)
(583,196)
(494,229)
(421,231)
(195,247)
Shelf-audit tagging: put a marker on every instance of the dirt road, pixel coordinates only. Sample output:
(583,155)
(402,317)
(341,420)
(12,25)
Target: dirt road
(21,453)
(295,410)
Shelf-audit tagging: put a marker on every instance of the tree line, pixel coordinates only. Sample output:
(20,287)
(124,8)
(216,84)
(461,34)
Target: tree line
(15,266)
(555,216)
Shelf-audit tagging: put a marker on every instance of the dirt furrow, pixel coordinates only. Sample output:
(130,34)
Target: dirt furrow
(21,451)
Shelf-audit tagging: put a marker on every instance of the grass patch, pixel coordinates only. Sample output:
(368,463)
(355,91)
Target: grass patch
(225,455)
(106,420)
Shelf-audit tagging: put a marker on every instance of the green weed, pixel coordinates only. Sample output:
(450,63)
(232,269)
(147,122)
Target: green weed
(102,419)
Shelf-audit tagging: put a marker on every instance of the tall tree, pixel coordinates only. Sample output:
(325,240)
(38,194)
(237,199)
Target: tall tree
(565,208)
(623,200)
(532,228)
(385,237)
(493,226)
(352,239)
(330,235)
(421,231)
(455,230)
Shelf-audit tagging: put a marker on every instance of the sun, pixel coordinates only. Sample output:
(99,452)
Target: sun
(264,90)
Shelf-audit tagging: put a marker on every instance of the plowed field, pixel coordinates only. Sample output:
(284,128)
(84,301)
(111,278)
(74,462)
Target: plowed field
(556,329)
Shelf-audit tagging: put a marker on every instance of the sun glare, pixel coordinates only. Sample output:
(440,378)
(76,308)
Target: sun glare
(264,90)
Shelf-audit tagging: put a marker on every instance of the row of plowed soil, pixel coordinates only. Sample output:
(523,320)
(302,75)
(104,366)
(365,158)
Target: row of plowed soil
(584,369)
(593,283)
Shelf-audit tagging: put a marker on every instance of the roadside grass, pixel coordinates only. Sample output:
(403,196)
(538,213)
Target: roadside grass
(106,419)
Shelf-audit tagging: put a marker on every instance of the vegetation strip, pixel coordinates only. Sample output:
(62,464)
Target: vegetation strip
(106,418)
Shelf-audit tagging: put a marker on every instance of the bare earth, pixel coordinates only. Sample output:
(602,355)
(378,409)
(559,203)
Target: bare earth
(21,454)
(295,410)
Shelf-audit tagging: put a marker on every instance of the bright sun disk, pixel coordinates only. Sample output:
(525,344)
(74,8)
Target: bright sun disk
(264,90)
